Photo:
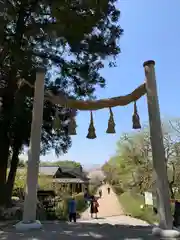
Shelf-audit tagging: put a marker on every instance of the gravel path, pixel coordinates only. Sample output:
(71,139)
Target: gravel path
(111,224)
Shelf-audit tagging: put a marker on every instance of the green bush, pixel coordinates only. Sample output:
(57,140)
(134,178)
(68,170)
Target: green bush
(62,208)
(118,189)
(81,204)
(131,204)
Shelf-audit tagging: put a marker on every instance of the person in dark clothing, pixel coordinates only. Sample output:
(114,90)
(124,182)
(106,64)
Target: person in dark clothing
(108,189)
(94,207)
(72,210)
(100,193)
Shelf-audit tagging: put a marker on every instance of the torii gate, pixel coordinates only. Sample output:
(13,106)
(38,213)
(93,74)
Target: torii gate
(149,88)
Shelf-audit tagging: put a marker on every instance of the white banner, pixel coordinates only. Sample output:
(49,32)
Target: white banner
(148,198)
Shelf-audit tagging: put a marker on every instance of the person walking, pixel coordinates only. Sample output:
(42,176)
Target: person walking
(100,193)
(72,209)
(94,207)
(108,189)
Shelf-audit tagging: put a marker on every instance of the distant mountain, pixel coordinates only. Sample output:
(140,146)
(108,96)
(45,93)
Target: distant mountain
(92,167)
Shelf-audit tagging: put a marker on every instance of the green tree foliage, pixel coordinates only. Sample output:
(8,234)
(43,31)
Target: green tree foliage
(64,163)
(132,166)
(71,40)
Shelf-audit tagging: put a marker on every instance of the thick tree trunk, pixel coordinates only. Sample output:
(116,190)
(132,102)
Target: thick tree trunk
(4,146)
(11,176)
(8,104)
(4,149)
(5,124)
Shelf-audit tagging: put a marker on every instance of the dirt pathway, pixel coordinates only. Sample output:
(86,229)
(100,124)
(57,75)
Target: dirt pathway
(111,211)
(108,205)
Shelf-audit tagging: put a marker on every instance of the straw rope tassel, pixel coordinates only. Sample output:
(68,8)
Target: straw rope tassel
(72,125)
(91,131)
(136,118)
(111,123)
(57,122)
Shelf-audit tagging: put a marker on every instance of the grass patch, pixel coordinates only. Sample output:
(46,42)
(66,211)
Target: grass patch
(131,203)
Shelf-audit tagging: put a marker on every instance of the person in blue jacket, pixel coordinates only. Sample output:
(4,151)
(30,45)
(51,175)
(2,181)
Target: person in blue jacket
(72,209)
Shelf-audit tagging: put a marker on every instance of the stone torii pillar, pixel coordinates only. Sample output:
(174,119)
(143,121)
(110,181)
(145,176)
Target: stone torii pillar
(30,204)
(158,154)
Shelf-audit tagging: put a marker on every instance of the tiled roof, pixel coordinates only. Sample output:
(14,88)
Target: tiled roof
(75,171)
(48,170)
(51,170)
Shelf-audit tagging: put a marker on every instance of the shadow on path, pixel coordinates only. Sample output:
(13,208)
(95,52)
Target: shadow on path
(61,230)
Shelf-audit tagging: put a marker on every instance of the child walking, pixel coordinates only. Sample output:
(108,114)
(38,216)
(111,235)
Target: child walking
(72,209)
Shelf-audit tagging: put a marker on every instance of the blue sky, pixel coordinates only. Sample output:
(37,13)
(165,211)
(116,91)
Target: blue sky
(151,31)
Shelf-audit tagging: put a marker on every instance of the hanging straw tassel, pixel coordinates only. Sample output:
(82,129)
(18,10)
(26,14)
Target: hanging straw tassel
(111,123)
(72,125)
(57,122)
(136,118)
(91,131)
